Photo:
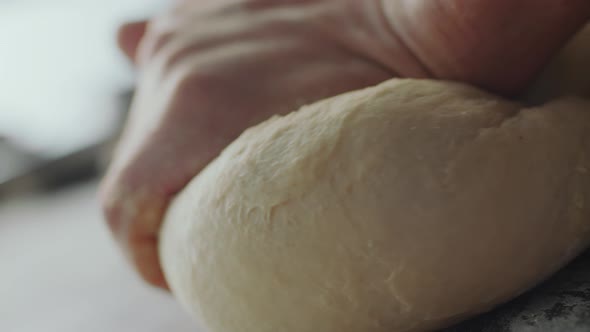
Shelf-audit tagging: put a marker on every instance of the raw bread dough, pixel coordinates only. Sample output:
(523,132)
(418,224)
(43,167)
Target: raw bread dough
(402,207)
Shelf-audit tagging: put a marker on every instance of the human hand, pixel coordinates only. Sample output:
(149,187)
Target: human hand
(209,71)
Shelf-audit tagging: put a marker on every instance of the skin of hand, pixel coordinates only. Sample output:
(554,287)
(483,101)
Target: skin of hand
(210,69)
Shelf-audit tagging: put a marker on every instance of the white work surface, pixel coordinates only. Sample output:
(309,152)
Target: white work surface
(61,272)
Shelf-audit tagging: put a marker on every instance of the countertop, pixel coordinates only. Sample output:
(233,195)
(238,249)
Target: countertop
(61,272)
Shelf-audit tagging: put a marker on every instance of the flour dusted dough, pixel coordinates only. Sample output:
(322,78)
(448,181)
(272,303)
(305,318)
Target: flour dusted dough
(402,207)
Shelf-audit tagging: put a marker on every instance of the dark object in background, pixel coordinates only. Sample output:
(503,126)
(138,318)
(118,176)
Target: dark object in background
(13,159)
(22,172)
(42,175)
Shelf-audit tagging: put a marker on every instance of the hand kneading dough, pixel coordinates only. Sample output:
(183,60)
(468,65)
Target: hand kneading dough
(402,207)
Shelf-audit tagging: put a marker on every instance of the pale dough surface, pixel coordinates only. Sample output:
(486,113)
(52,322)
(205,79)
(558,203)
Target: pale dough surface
(402,207)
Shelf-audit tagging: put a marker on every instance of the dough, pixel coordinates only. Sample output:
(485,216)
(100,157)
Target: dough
(402,207)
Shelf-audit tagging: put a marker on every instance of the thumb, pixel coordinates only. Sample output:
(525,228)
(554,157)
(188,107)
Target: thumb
(129,37)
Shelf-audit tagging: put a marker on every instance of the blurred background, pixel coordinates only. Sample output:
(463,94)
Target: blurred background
(63,83)
(64,92)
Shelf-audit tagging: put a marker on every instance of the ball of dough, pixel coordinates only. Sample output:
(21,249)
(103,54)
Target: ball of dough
(402,207)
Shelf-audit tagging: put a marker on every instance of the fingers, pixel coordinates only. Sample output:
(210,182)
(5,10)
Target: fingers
(496,44)
(133,216)
(129,37)
(150,167)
